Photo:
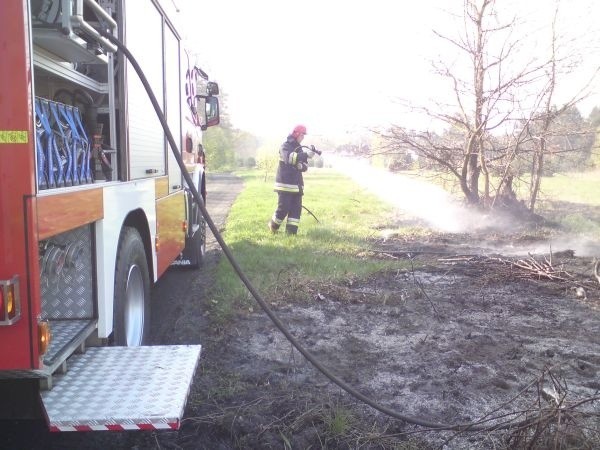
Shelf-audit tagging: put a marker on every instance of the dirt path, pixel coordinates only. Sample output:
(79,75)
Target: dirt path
(178,307)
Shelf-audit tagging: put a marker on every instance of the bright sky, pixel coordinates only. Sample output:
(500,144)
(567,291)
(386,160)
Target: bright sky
(338,66)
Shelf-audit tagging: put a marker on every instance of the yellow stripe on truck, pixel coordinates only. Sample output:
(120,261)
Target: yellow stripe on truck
(13,137)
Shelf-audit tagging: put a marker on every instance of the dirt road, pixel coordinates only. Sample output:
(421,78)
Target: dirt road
(178,309)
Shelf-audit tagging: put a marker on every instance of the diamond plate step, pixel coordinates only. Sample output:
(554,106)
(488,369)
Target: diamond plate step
(67,335)
(122,388)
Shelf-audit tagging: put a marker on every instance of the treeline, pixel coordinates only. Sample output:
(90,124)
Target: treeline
(572,141)
(227,148)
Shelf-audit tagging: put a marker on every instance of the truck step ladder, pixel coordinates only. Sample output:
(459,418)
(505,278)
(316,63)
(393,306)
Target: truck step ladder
(122,388)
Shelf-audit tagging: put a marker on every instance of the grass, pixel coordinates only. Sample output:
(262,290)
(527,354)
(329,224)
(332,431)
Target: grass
(576,187)
(278,265)
(339,421)
(581,188)
(572,200)
(283,268)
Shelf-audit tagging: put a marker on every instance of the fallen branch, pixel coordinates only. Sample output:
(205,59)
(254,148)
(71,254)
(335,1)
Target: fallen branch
(528,267)
(557,420)
(541,269)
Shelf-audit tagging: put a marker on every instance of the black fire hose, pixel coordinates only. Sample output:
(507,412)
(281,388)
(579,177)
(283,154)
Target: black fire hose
(310,212)
(475,426)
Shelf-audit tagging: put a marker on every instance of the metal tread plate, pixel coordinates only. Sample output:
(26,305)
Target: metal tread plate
(122,388)
(66,335)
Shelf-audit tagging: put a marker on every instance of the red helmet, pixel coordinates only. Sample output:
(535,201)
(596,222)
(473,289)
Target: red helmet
(298,130)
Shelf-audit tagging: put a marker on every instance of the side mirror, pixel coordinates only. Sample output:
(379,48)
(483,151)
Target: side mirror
(211,112)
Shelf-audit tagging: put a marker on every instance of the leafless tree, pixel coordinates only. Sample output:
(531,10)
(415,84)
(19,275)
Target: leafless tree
(503,111)
(548,115)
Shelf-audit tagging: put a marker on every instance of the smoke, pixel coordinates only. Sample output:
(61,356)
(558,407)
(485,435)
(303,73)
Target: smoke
(416,198)
(581,245)
(442,212)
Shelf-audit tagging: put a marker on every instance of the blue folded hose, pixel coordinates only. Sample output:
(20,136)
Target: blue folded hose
(64,145)
(53,169)
(40,148)
(63,150)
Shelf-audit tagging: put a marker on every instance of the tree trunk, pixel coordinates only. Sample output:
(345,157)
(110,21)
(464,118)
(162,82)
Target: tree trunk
(537,170)
(473,180)
(469,181)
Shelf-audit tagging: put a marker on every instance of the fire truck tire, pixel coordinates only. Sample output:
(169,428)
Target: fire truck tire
(132,291)
(197,242)
(199,239)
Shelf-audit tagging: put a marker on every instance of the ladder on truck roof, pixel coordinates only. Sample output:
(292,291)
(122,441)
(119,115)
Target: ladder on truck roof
(122,388)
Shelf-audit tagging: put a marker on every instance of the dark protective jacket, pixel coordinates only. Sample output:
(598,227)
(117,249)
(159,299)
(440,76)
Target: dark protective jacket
(291,165)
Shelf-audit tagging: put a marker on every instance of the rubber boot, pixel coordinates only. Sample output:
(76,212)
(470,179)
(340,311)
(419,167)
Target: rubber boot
(273,227)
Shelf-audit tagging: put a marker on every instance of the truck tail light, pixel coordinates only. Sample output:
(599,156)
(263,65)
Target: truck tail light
(44,336)
(10,301)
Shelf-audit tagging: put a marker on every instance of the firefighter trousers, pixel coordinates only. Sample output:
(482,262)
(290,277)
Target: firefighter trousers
(289,204)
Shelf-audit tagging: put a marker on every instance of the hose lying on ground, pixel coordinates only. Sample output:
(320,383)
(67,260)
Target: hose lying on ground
(473,427)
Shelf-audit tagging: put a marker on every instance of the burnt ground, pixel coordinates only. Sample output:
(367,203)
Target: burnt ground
(460,332)
(464,337)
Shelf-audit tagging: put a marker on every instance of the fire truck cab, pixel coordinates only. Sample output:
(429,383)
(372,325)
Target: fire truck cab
(94,208)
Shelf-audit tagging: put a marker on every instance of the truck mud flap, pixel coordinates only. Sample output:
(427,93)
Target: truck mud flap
(122,388)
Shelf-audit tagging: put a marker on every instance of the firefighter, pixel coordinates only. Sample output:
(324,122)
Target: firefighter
(289,184)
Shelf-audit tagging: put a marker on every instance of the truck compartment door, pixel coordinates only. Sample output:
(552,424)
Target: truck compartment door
(173,84)
(143,37)
(122,388)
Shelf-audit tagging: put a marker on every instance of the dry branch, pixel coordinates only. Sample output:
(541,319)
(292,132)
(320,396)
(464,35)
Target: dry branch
(524,267)
(556,420)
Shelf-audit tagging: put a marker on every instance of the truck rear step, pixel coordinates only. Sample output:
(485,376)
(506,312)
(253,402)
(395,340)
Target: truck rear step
(122,388)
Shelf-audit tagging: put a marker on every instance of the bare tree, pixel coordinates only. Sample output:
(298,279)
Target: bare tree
(489,125)
(546,117)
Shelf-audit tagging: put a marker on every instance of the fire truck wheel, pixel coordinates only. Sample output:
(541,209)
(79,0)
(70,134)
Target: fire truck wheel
(199,239)
(132,291)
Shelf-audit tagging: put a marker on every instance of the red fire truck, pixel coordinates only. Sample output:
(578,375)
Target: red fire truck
(94,209)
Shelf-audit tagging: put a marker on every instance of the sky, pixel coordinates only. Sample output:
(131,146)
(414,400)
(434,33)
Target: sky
(340,67)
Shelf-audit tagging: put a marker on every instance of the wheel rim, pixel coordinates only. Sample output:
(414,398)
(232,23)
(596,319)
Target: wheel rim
(134,307)
(201,229)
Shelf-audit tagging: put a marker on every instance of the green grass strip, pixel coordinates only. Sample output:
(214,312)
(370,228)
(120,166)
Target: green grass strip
(333,248)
